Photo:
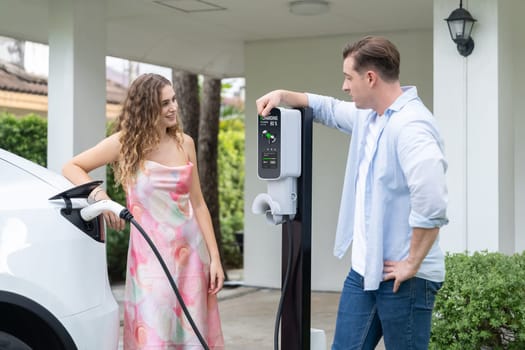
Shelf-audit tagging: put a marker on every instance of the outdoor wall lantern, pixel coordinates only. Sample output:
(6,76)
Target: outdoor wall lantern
(460,23)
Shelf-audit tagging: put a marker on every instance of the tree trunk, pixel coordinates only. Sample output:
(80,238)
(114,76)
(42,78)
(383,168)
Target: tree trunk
(186,88)
(207,154)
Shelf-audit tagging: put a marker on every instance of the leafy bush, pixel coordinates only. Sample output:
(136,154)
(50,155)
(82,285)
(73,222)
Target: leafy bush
(26,137)
(231,187)
(481,304)
(116,241)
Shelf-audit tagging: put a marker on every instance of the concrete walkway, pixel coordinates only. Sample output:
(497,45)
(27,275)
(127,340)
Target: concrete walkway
(248,314)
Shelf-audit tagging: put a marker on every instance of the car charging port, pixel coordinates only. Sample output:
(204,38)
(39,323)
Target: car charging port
(93,228)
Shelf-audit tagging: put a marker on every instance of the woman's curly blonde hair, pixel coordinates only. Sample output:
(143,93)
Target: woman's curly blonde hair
(138,125)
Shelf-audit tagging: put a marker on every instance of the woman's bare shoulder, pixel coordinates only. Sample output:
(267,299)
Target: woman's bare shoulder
(189,146)
(187,140)
(187,137)
(112,141)
(115,136)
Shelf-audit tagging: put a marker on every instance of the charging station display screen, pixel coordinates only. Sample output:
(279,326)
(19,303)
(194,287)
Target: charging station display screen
(269,132)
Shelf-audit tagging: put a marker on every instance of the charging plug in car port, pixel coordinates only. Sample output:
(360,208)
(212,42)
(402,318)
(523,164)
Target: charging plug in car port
(93,228)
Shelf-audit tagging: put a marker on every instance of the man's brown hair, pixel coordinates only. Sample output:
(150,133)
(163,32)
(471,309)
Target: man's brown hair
(375,52)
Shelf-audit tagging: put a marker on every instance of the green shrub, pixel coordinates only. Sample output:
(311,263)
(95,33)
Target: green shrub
(231,187)
(26,136)
(116,241)
(481,304)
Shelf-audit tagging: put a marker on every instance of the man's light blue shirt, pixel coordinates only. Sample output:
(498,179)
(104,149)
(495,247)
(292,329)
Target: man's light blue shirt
(405,187)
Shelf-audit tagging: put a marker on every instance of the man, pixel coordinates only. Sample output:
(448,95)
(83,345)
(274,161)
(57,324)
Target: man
(394,199)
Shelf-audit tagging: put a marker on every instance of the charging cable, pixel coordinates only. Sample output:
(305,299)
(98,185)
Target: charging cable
(92,211)
(288,223)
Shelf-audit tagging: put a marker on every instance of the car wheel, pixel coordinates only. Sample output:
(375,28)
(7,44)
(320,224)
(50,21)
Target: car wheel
(10,342)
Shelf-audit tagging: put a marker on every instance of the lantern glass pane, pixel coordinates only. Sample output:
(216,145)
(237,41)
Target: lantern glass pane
(468,28)
(457,28)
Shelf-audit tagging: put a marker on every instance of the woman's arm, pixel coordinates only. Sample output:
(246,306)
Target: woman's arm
(77,171)
(203,217)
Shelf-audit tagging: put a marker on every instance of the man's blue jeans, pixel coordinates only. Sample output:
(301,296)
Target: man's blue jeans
(402,318)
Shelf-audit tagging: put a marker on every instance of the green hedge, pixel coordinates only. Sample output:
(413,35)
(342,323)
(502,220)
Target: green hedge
(231,187)
(116,241)
(27,137)
(481,304)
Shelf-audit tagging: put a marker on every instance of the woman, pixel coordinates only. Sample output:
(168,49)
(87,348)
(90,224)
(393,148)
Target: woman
(156,163)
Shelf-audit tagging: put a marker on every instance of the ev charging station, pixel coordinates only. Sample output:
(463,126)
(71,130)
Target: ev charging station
(285,163)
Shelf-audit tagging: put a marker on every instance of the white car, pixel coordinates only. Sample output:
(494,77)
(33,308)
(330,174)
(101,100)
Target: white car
(54,287)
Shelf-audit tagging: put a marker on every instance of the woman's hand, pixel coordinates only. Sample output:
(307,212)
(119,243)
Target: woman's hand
(216,277)
(112,220)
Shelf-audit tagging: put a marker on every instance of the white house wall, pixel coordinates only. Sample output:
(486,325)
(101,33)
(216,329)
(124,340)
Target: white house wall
(314,65)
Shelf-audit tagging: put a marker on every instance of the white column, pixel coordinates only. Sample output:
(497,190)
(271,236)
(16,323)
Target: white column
(473,112)
(450,111)
(77,88)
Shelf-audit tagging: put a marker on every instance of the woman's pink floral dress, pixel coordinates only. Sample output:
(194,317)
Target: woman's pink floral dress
(153,318)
